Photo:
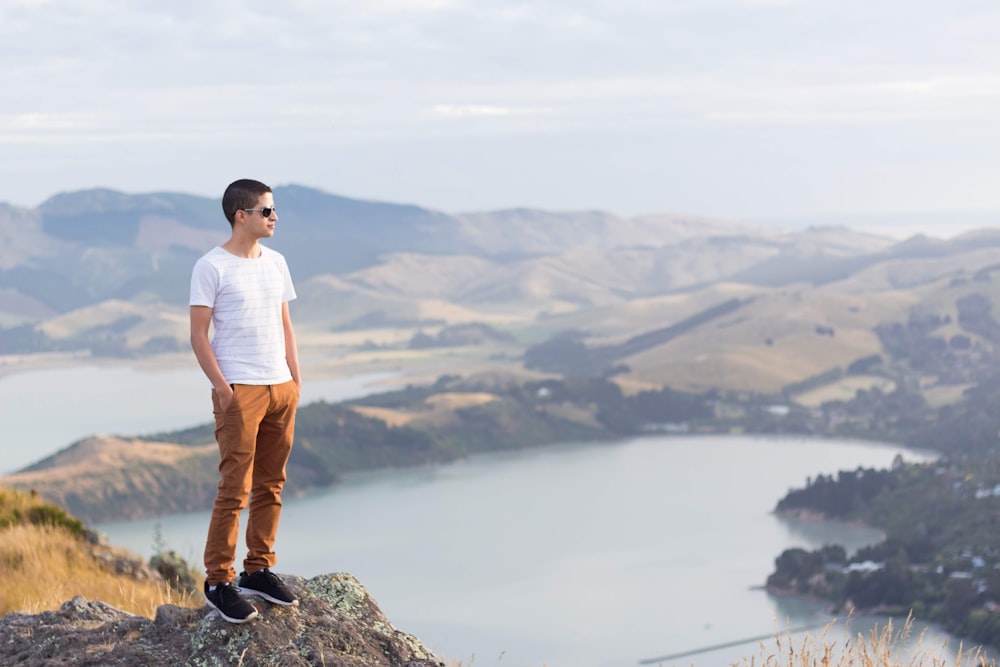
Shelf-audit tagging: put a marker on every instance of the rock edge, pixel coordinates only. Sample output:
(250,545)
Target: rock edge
(336,624)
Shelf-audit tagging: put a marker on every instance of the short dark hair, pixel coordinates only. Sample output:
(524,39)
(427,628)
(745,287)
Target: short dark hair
(241,194)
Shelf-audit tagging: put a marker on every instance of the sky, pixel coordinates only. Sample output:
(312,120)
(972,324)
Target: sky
(742,109)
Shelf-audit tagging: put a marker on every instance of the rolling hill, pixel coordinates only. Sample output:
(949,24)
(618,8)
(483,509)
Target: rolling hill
(107,272)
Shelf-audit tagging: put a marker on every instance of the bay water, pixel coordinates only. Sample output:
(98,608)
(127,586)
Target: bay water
(575,555)
(645,551)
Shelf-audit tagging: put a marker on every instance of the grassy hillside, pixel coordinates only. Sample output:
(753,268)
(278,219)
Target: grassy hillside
(782,336)
(48,557)
(119,290)
(814,298)
(132,478)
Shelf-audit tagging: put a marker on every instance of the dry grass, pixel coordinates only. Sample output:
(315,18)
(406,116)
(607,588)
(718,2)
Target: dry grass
(843,390)
(45,566)
(46,560)
(455,401)
(439,408)
(392,417)
(941,395)
(882,647)
(155,320)
(100,453)
(104,468)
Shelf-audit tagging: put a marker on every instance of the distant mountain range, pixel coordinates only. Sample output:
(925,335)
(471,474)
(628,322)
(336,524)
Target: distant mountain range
(109,271)
(80,248)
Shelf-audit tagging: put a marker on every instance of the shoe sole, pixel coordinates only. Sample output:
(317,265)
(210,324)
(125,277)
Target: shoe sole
(232,619)
(259,594)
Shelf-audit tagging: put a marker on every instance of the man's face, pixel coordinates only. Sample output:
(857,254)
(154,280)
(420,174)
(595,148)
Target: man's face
(257,223)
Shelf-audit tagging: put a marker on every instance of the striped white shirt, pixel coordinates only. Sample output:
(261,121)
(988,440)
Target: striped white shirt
(245,296)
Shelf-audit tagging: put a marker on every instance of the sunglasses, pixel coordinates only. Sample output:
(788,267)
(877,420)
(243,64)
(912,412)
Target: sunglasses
(266,211)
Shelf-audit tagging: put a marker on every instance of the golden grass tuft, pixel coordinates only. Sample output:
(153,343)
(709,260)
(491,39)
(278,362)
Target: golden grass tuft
(46,560)
(881,647)
(44,566)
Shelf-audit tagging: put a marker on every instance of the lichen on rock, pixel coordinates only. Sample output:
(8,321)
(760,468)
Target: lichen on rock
(336,624)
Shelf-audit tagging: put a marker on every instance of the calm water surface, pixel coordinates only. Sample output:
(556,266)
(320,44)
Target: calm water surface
(568,556)
(573,555)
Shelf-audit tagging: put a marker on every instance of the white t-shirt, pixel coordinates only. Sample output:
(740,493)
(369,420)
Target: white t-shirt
(246,296)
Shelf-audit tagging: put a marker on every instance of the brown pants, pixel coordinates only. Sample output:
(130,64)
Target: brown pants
(255,438)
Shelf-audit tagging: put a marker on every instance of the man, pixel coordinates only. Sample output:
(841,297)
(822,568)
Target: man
(242,290)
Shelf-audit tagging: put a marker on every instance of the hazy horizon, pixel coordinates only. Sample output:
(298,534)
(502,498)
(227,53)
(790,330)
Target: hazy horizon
(898,224)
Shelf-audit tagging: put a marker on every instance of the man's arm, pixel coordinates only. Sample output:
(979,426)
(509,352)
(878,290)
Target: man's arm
(291,349)
(201,319)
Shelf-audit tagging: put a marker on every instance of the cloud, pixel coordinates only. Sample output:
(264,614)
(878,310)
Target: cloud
(635,84)
(936,99)
(41,121)
(480,110)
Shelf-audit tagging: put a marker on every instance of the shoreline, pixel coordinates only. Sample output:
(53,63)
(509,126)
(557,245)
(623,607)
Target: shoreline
(318,362)
(323,368)
(11,364)
(814,516)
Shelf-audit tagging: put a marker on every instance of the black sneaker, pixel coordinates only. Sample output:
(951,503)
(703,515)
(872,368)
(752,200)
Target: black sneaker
(267,585)
(226,599)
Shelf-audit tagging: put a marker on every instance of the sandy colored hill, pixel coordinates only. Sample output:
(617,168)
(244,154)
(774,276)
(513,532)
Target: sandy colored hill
(812,298)
(109,469)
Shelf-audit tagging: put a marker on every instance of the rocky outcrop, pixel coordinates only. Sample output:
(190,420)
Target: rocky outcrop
(336,624)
